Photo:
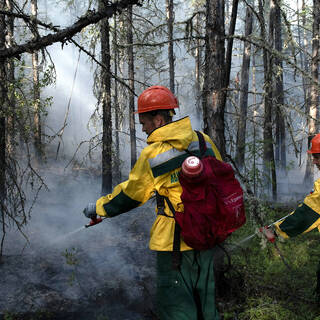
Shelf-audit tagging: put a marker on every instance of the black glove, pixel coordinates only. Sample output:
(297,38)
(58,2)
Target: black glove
(90,210)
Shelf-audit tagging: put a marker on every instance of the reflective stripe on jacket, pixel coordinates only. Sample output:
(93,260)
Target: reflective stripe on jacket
(305,218)
(157,170)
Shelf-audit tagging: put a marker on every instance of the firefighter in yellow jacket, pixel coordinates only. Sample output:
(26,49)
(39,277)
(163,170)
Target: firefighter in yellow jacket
(306,216)
(186,293)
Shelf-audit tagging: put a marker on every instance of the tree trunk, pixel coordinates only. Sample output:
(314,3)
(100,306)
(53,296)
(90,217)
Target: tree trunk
(116,103)
(254,149)
(10,75)
(3,112)
(281,159)
(197,55)
(170,17)
(131,85)
(232,26)
(36,88)
(268,153)
(214,84)
(314,95)
(244,85)
(106,107)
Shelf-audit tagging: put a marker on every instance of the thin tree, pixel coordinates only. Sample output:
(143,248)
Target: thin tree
(116,101)
(268,152)
(304,61)
(280,133)
(232,27)
(106,104)
(3,111)
(11,132)
(244,85)
(170,20)
(36,87)
(130,53)
(198,62)
(314,94)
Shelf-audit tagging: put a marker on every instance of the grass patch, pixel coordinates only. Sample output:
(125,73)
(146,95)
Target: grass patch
(270,282)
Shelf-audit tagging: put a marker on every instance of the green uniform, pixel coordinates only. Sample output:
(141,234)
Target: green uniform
(157,169)
(187,293)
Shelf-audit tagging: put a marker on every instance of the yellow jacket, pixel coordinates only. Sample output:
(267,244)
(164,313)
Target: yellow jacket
(305,218)
(157,170)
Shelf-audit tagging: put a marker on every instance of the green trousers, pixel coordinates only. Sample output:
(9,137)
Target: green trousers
(187,293)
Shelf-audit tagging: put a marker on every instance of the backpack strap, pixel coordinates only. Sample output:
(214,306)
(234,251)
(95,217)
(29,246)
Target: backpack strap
(176,254)
(160,205)
(202,143)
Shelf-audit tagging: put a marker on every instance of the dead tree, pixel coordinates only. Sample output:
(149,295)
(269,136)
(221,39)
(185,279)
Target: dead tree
(314,90)
(132,126)
(268,152)
(170,20)
(214,79)
(280,152)
(217,70)
(36,88)
(116,102)
(105,96)
(244,85)
(11,118)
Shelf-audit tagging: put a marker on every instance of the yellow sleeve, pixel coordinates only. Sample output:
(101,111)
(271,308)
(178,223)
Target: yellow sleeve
(304,218)
(131,193)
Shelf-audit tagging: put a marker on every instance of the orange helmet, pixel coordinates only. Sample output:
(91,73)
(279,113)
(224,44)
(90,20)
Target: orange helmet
(315,144)
(156,98)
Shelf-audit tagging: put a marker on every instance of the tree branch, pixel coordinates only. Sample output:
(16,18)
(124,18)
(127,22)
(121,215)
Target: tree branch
(66,34)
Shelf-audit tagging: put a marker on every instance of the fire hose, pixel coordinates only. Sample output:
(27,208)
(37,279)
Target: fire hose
(96,220)
(270,239)
(260,230)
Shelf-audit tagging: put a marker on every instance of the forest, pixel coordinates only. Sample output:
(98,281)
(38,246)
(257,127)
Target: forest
(246,72)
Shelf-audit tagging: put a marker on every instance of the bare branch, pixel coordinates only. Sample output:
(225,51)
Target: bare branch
(66,34)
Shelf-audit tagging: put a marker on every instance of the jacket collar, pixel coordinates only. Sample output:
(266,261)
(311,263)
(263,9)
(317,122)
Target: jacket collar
(177,133)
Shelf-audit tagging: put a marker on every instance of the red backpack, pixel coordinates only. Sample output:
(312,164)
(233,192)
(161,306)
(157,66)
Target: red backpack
(213,204)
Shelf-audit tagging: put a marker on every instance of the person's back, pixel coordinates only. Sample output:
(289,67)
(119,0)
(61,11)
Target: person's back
(189,291)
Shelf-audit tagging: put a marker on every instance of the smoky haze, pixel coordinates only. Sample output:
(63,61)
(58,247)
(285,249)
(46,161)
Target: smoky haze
(106,269)
(60,266)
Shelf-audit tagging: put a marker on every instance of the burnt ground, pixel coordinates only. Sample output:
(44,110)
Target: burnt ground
(66,271)
(103,272)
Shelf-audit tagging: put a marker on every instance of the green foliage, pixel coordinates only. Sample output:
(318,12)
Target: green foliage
(73,261)
(272,282)
(8,316)
(70,256)
(265,308)
(39,315)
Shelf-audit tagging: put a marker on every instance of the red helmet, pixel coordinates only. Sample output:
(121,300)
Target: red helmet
(156,98)
(315,144)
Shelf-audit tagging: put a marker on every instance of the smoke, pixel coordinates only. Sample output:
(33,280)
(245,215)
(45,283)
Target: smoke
(56,264)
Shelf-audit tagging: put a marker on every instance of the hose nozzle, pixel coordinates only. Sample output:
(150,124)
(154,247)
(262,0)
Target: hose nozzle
(93,222)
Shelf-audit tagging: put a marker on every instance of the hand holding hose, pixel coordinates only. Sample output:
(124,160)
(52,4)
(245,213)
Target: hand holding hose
(90,210)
